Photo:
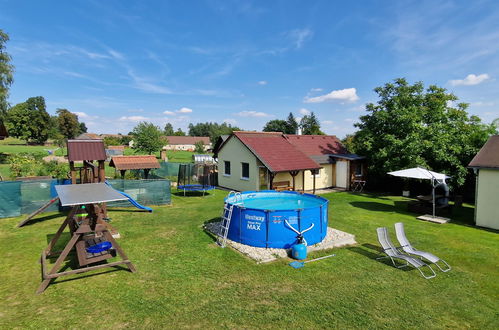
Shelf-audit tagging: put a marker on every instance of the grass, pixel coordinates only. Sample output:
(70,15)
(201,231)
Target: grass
(185,280)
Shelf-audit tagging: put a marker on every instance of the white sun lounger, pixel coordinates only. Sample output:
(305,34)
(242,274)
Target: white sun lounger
(392,253)
(408,248)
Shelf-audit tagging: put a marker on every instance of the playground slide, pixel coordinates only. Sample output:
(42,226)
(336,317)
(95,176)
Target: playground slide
(132,201)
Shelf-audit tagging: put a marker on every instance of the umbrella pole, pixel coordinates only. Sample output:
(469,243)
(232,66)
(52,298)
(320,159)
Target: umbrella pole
(433,186)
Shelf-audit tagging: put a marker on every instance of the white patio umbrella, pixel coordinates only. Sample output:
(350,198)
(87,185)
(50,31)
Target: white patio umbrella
(422,173)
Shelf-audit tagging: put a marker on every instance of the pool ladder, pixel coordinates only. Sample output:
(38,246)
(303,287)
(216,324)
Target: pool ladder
(227,216)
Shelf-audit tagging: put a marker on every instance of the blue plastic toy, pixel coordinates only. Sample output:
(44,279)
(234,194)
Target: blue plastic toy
(100,247)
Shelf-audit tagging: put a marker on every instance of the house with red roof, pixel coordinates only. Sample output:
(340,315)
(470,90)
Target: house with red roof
(186,142)
(273,160)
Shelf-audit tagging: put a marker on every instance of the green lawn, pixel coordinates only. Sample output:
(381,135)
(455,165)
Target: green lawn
(185,280)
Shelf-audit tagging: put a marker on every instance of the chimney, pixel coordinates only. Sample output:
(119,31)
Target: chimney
(298,131)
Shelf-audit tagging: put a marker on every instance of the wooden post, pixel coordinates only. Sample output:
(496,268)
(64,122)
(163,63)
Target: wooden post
(146,173)
(73,172)
(293,175)
(102,171)
(303,181)
(271,179)
(123,174)
(314,172)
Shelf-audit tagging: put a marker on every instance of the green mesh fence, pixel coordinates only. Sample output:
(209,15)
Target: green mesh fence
(167,170)
(25,197)
(145,192)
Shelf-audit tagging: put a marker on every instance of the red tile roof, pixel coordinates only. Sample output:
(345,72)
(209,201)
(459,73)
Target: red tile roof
(134,162)
(315,145)
(116,148)
(488,156)
(276,152)
(187,139)
(86,150)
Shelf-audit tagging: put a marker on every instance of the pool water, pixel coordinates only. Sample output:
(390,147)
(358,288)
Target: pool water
(280,203)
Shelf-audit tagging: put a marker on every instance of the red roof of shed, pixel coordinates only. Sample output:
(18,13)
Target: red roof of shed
(488,156)
(86,150)
(276,152)
(315,145)
(134,162)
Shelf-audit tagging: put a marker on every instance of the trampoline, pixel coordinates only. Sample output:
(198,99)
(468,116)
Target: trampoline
(196,178)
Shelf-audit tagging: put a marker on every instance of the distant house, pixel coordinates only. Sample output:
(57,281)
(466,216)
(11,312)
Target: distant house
(186,142)
(88,136)
(486,167)
(272,160)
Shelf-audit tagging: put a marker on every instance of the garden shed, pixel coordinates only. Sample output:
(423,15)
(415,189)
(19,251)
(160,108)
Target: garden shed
(124,163)
(486,166)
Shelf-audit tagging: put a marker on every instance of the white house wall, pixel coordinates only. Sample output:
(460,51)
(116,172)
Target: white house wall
(237,153)
(487,214)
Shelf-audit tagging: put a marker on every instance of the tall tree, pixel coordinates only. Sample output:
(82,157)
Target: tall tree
(68,123)
(6,74)
(276,125)
(213,130)
(179,132)
(310,125)
(147,137)
(412,126)
(29,120)
(292,124)
(83,128)
(168,130)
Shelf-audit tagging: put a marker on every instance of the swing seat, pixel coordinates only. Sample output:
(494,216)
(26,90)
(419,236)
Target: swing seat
(100,247)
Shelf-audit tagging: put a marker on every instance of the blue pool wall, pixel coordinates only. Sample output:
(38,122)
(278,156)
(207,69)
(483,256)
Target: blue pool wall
(266,228)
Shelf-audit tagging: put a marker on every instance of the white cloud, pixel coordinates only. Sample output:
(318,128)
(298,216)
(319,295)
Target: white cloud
(299,36)
(316,90)
(482,104)
(262,82)
(304,112)
(81,114)
(169,113)
(349,120)
(328,122)
(133,118)
(116,55)
(342,95)
(184,110)
(470,80)
(230,121)
(252,114)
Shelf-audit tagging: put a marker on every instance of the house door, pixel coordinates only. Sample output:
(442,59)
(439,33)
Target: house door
(341,174)
(263,178)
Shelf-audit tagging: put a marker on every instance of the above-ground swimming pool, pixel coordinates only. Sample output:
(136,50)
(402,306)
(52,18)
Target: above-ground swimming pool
(262,219)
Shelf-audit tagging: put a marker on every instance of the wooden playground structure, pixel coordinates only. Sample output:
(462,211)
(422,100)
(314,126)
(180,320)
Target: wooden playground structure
(91,236)
(89,232)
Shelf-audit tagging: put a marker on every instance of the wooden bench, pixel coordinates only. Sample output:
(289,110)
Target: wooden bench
(281,185)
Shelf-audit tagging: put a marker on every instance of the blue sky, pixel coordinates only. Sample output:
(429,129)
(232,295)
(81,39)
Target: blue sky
(116,63)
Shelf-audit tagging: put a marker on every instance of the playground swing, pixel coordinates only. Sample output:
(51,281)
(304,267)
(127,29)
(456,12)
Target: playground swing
(195,177)
(90,235)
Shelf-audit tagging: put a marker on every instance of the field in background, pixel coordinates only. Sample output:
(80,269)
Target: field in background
(13,146)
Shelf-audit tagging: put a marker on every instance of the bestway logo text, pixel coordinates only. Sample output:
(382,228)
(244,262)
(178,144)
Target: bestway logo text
(253,217)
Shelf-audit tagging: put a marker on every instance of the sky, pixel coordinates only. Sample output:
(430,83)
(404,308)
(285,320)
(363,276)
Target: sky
(116,63)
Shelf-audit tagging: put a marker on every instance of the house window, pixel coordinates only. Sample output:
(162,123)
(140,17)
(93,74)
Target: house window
(317,173)
(226,168)
(358,169)
(245,171)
